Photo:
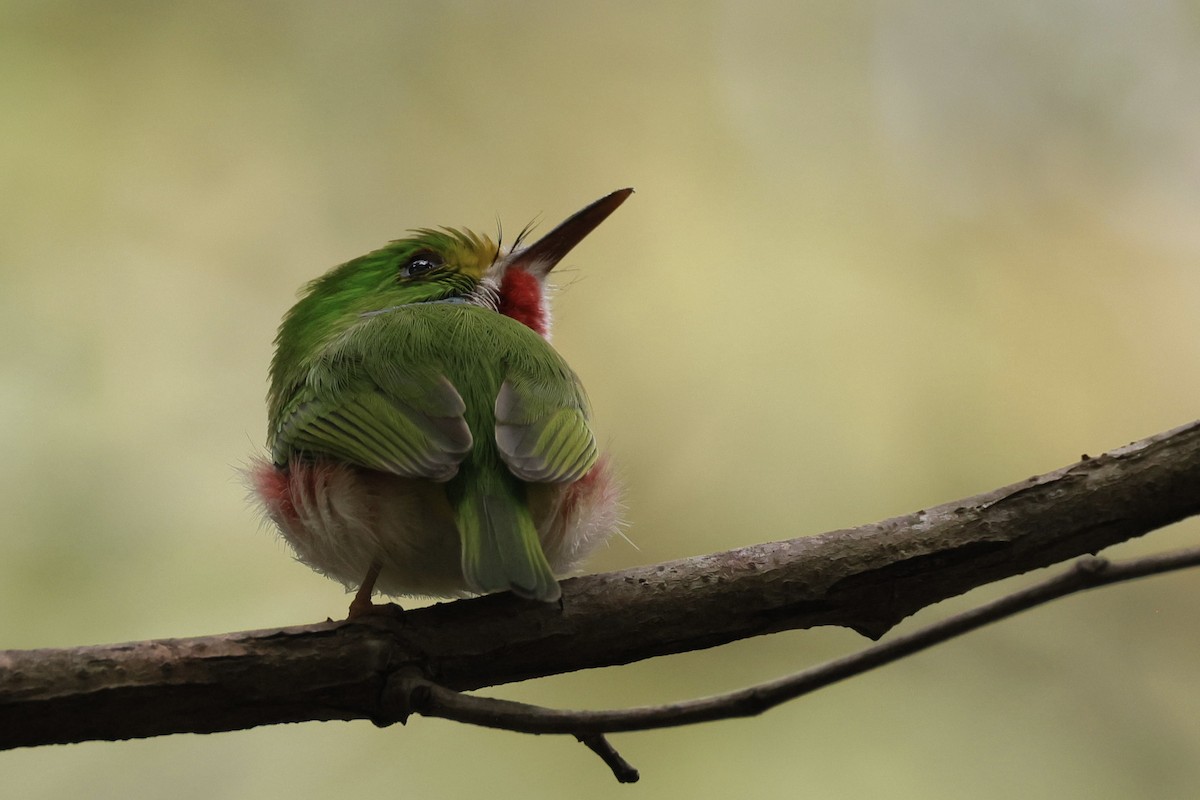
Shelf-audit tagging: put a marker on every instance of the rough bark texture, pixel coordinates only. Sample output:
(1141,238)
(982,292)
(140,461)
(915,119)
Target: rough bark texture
(867,578)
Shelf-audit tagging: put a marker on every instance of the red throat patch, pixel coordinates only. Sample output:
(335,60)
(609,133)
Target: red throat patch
(521,299)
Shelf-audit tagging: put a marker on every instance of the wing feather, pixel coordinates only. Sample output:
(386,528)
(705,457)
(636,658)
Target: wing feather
(404,419)
(543,433)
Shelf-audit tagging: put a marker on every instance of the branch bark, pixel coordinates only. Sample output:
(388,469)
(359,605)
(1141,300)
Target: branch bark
(866,578)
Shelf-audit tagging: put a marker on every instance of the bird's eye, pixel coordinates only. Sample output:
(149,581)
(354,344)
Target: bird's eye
(419,264)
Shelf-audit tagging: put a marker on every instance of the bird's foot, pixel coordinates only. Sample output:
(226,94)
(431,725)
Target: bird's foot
(363,607)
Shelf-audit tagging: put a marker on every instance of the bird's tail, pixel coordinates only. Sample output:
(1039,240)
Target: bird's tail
(500,546)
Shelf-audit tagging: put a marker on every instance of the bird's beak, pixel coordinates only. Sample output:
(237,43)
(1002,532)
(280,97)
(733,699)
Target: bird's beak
(542,256)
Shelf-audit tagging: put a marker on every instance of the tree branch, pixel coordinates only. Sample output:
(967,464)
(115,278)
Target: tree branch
(866,578)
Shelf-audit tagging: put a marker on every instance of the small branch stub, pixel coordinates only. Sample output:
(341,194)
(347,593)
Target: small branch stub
(622,770)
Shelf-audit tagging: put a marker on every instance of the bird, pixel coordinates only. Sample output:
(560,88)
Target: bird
(425,439)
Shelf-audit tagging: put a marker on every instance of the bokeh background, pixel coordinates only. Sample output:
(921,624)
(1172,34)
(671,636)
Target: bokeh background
(881,256)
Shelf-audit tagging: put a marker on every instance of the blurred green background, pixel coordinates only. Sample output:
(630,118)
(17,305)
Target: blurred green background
(881,256)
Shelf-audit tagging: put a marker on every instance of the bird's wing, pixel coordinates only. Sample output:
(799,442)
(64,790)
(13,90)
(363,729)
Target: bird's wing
(542,429)
(407,420)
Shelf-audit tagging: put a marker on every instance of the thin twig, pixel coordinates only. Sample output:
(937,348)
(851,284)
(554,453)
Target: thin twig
(1086,573)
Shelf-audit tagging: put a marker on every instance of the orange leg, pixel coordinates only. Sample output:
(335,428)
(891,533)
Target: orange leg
(361,604)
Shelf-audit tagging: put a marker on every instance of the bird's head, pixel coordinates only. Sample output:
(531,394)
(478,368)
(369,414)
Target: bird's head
(430,266)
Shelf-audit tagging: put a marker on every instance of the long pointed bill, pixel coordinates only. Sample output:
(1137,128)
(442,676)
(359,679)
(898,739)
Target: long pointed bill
(542,256)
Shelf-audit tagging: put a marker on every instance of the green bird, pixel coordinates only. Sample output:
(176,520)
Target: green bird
(422,443)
